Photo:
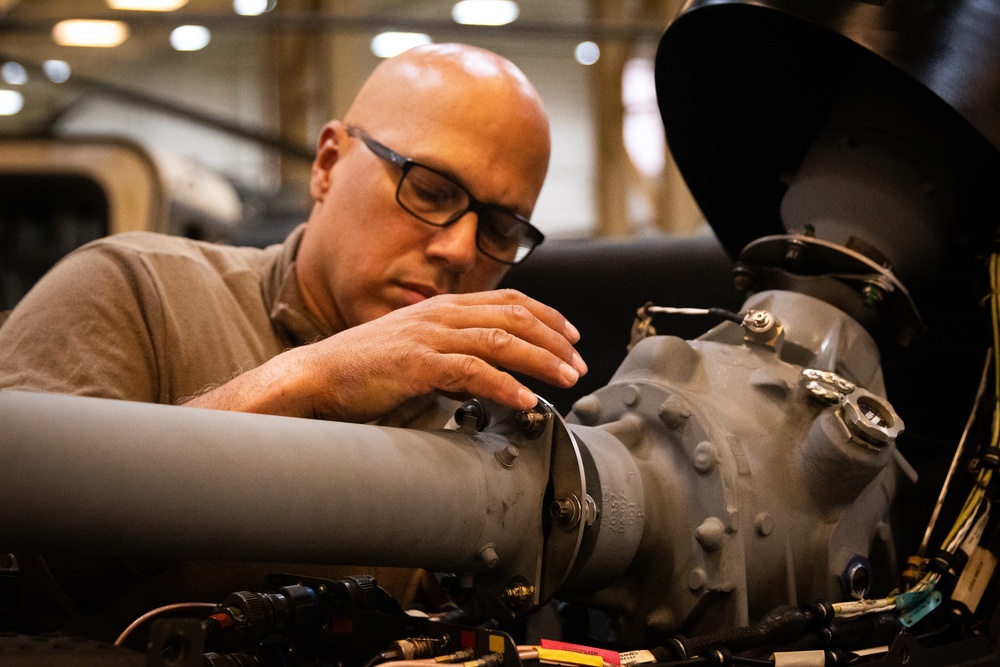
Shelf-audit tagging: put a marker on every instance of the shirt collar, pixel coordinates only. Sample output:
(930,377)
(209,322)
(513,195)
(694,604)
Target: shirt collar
(289,314)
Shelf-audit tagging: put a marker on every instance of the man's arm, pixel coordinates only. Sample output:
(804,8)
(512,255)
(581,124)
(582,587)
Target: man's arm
(456,344)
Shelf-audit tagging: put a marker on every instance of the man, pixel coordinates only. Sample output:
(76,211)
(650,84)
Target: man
(382,302)
(382,298)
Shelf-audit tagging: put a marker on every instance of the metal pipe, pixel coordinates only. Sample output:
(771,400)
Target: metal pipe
(104,477)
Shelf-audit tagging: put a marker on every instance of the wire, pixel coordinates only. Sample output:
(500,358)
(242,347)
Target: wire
(716,312)
(160,610)
(958,454)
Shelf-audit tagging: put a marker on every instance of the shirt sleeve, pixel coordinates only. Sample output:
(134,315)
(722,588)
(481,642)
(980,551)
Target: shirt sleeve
(84,329)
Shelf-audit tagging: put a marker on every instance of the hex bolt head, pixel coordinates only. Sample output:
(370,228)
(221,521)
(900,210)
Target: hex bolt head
(566,511)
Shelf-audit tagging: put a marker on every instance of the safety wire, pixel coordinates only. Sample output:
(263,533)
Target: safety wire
(967,529)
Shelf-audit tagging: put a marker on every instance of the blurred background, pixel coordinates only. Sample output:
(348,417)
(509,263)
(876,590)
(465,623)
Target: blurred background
(221,102)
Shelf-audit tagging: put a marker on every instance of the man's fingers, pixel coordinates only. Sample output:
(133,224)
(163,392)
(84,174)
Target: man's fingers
(516,314)
(462,374)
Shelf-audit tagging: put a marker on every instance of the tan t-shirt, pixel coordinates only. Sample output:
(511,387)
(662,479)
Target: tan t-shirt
(153,318)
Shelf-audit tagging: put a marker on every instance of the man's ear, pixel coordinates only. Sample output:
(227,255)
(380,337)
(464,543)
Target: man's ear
(327,154)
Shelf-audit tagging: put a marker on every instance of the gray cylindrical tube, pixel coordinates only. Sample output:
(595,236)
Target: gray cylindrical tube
(103,477)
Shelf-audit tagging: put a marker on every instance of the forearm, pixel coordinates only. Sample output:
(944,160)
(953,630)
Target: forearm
(277,387)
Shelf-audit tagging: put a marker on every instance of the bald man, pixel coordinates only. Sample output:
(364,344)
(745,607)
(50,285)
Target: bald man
(378,305)
(377,308)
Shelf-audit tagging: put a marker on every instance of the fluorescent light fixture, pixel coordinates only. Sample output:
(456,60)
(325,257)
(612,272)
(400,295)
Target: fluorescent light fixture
(11,102)
(485,12)
(389,44)
(190,37)
(253,7)
(14,73)
(80,32)
(57,70)
(587,53)
(147,5)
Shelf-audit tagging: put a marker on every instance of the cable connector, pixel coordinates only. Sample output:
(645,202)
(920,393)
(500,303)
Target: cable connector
(488,660)
(416,648)
(642,326)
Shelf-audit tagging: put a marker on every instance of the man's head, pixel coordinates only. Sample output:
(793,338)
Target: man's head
(459,110)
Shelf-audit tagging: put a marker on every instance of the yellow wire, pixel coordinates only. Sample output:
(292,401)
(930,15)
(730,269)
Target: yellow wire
(978,493)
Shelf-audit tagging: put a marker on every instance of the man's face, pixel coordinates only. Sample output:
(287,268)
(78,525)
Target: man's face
(363,255)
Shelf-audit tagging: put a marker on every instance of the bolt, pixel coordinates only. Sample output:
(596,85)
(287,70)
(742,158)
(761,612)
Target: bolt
(566,511)
(518,594)
(873,295)
(696,579)
(532,422)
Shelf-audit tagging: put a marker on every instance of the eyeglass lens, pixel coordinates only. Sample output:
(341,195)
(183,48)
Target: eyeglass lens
(436,199)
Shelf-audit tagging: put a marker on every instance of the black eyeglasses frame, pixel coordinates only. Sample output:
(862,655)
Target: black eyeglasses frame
(531,233)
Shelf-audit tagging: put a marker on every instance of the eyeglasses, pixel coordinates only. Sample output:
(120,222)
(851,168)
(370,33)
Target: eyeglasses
(431,197)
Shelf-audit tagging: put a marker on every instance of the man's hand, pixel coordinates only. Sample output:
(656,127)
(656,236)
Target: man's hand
(455,343)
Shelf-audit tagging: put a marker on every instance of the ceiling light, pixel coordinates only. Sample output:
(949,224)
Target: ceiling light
(485,12)
(11,102)
(147,5)
(587,53)
(14,73)
(389,44)
(80,32)
(253,7)
(57,70)
(190,37)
